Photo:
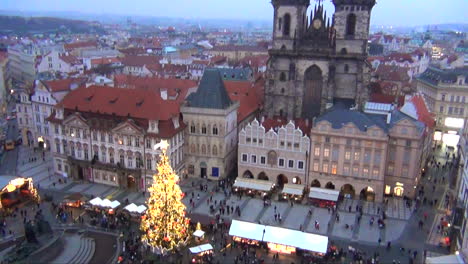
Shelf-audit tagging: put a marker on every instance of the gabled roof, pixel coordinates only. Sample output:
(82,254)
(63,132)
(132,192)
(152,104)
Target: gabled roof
(416,107)
(76,45)
(277,122)
(140,61)
(70,59)
(449,76)
(63,85)
(339,116)
(136,103)
(393,73)
(246,93)
(211,92)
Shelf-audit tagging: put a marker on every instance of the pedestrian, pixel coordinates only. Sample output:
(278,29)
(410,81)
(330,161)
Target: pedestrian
(198,196)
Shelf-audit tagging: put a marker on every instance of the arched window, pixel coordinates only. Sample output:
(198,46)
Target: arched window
(203,149)
(192,148)
(351,25)
(283,47)
(215,130)
(282,77)
(344,51)
(346,68)
(192,128)
(215,150)
(287,24)
(203,129)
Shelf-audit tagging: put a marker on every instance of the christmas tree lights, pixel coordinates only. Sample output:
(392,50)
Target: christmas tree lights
(164,225)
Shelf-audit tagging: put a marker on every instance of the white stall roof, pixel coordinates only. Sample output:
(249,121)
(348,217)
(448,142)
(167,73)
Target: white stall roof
(246,230)
(131,207)
(201,248)
(294,238)
(141,209)
(295,189)
(198,233)
(279,235)
(106,203)
(96,201)
(259,185)
(114,204)
(447,259)
(324,194)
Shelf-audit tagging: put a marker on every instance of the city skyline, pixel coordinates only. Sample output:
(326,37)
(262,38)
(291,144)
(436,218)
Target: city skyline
(384,13)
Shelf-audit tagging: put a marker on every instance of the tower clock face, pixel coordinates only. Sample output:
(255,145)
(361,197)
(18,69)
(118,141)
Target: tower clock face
(317,23)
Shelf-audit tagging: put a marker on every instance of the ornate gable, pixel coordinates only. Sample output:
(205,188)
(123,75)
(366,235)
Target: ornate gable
(127,127)
(75,120)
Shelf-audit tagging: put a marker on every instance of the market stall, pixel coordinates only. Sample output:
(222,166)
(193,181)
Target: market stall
(323,197)
(16,190)
(75,200)
(292,191)
(453,259)
(278,239)
(202,253)
(253,187)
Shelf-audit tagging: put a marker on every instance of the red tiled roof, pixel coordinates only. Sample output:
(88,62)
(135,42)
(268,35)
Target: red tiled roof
(423,113)
(70,59)
(136,103)
(76,45)
(399,57)
(173,86)
(100,61)
(62,85)
(218,59)
(201,62)
(304,125)
(133,51)
(255,61)
(140,61)
(240,48)
(246,94)
(392,73)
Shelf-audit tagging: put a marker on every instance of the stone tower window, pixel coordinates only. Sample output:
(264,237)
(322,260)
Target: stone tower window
(351,25)
(292,71)
(343,51)
(287,24)
(346,68)
(282,77)
(203,130)
(282,90)
(215,130)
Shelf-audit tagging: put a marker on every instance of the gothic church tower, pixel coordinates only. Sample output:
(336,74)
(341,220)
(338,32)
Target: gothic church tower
(315,60)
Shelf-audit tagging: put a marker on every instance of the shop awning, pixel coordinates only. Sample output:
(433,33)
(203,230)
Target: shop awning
(201,248)
(246,230)
(448,259)
(324,194)
(279,235)
(297,239)
(253,184)
(294,189)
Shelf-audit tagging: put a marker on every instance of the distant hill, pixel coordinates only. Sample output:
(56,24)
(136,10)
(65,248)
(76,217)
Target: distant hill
(28,25)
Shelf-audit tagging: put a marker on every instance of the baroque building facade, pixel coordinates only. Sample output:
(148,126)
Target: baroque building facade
(315,60)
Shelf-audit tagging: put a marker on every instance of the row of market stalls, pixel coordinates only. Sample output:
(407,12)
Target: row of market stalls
(278,239)
(317,196)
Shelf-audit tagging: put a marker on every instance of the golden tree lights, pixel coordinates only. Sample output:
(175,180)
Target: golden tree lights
(164,225)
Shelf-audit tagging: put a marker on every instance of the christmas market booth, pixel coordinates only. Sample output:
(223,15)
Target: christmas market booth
(278,239)
(135,211)
(292,192)
(253,187)
(15,190)
(201,253)
(323,197)
(76,200)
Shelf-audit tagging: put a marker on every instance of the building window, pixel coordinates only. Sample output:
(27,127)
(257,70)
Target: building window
(335,154)
(148,143)
(111,157)
(244,158)
(326,152)
(408,143)
(317,151)
(316,165)
(367,156)
(109,138)
(203,129)
(253,159)
(56,129)
(86,154)
(85,134)
(130,162)
(290,163)
(300,165)
(365,172)
(137,142)
(57,147)
(103,137)
(443,97)
(286,24)
(192,129)
(327,139)
(281,162)
(72,151)
(350,24)
(355,171)
(325,167)
(357,156)
(346,169)
(347,155)
(148,164)
(391,169)
(262,160)
(191,169)
(282,78)
(215,130)
(333,168)
(122,160)
(375,173)
(377,157)
(129,141)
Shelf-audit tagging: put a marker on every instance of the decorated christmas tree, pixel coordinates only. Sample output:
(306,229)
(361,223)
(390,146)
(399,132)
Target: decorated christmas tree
(164,225)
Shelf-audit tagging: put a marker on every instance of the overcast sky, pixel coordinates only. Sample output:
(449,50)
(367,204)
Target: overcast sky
(386,12)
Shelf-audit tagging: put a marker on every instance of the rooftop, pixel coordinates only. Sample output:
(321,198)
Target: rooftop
(211,92)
